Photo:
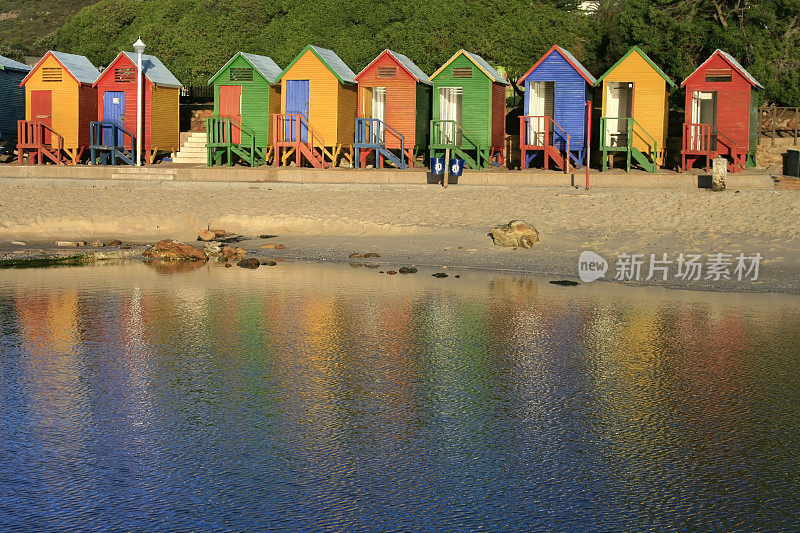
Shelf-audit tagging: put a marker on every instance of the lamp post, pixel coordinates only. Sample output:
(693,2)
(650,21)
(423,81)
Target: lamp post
(139,47)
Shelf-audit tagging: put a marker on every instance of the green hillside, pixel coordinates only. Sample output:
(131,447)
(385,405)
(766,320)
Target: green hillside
(25,25)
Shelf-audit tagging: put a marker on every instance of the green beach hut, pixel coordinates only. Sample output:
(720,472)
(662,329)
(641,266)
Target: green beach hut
(469,110)
(244,99)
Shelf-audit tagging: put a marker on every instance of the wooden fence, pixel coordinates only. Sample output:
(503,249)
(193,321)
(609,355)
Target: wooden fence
(775,120)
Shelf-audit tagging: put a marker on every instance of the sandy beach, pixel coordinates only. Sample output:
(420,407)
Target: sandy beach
(426,225)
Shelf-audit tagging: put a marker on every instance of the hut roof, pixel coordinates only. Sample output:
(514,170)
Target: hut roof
(479,62)
(732,62)
(643,56)
(579,68)
(405,62)
(10,64)
(154,69)
(264,65)
(330,60)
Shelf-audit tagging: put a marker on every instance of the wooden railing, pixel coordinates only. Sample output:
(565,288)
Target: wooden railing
(288,130)
(32,134)
(373,131)
(100,132)
(773,120)
(446,133)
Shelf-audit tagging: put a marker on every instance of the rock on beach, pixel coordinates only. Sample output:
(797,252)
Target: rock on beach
(515,234)
(169,250)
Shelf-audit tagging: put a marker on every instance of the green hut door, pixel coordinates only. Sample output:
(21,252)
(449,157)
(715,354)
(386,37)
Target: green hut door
(450,104)
(230,106)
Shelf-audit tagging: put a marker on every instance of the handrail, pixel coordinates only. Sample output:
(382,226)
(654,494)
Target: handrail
(30,132)
(368,131)
(631,124)
(548,120)
(436,133)
(705,136)
(96,132)
(295,121)
(214,131)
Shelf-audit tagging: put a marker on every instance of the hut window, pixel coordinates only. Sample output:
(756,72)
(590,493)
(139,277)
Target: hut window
(462,72)
(719,75)
(124,75)
(241,74)
(51,74)
(387,72)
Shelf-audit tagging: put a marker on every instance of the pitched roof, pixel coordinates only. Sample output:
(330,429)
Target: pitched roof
(154,69)
(264,65)
(735,64)
(330,60)
(579,68)
(404,62)
(479,62)
(79,67)
(643,56)
(10,64)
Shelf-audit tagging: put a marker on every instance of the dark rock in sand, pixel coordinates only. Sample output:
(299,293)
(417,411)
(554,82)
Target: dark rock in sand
(169,250)
(270,263)
(206,235)
(114,242)
(439,275)
(391,272)
(228,265)
(456,276)
(267,236)
(250,262)
(408,270)
(370,255)
(564,282)
(355,256)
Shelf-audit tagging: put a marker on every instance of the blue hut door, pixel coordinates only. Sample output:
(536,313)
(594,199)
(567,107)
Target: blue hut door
(113,111)
(297,103)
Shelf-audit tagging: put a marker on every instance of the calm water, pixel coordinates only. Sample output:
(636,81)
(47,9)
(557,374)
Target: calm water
(330,398)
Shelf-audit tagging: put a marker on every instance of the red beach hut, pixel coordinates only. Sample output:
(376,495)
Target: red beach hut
(721,114)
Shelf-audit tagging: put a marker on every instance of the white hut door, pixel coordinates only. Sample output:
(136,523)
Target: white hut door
(704,111)
(541,104)
(379,109)
(619,106)
(450,100)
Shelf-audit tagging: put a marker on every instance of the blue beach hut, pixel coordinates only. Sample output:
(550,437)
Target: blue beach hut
(557,88)
(12,101)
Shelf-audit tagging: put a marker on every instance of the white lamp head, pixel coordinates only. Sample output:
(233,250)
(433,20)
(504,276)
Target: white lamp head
(139,46)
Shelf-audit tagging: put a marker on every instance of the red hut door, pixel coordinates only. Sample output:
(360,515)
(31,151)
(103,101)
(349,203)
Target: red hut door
(230,106)
(42,110)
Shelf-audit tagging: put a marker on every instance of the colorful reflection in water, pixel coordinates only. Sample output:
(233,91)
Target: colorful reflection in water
(327,398)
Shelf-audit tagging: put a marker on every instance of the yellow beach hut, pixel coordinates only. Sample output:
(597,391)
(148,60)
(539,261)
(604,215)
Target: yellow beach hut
(634,113)
(60,102)
(318,110)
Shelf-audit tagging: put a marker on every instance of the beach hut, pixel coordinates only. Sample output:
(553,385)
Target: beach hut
(318,110)
(394,110)
(12,101)
(60,102)
(245,95)
(115,131)
(721,114)
(634,111)
(469,110)
(555,119)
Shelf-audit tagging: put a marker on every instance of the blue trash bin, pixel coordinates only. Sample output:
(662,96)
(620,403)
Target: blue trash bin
(437,165)
(456,167)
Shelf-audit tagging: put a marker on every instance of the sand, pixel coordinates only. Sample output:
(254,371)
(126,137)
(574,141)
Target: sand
(428,225)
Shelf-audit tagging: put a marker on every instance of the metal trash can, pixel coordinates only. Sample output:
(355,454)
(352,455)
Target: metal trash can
(437,165)
(456,167)
(791,163)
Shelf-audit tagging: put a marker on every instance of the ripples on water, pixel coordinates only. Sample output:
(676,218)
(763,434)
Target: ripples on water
(325,398)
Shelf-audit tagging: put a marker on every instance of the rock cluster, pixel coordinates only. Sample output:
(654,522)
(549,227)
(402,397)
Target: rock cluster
(516,234)
(169,250)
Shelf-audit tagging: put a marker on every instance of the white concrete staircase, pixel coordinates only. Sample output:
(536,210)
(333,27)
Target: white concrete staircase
(193,150)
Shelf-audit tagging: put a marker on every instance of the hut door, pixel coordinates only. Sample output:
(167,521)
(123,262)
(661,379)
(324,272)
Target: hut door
(704,111)
(230,106)
(379,109)
(42,110)
(297,104)
(541,105)
(114,112)
(619,106)
(450,99)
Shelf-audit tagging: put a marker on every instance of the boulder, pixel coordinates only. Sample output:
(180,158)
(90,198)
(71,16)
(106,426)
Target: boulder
(232,253)
(250,262)
(206,235)
(515,234)
(370,255)
(114,242)
(169,250)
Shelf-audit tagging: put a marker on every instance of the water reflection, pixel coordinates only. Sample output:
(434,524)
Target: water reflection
(334,398)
